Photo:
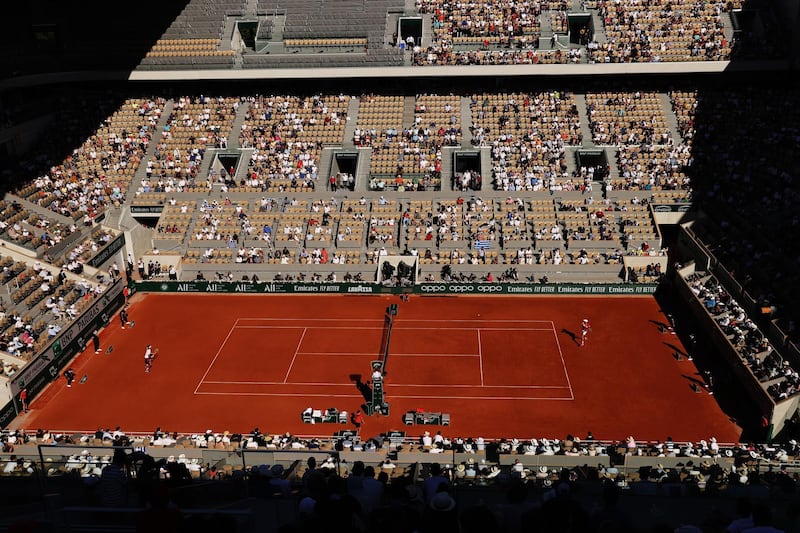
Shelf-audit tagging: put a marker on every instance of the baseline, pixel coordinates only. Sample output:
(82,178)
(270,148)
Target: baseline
(395,391)
(395,328)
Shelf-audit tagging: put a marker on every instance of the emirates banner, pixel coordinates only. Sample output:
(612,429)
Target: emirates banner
(280,287)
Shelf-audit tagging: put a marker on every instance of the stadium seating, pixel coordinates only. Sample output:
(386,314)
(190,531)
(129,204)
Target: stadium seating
(311,33)
(542,211)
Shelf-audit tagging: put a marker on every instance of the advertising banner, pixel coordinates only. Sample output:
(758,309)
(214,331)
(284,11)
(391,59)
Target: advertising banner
(278,287)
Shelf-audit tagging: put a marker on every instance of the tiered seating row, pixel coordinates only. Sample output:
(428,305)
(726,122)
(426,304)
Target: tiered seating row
(188,47)
(343,42)
(99,172)
(683,31)
(528,134)
(287,135)
(627,118)
(473,231)
(194,125)
(408,156)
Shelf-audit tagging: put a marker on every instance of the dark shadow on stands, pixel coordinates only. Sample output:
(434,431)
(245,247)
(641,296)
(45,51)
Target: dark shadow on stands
(95,35)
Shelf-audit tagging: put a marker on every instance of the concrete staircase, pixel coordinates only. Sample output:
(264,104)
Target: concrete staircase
(447,166)
(586,131)
(486,167)
(427,30)
(205,164)
(390,29)
(571,155)
(278,24)
(141,172)
(113,217)
(672,120)
(352,121)
(466,123)
(546,33)
(408,111)
(227,33)
(611,156)
(599,30)
(727,26)
(236,127)
(324,166)
(362,169)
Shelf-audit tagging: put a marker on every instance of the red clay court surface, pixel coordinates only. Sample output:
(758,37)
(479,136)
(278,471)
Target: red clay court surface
(501,366)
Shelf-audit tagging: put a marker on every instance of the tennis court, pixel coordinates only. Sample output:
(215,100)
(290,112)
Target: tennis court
(501,366)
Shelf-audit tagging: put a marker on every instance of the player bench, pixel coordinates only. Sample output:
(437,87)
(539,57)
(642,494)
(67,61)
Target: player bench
(328,416)
(426,418)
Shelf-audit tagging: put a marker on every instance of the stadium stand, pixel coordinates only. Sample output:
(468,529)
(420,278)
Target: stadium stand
(309,34)
(288,214)
(532,138)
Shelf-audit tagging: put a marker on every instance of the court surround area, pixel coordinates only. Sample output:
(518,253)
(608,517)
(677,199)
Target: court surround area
(500,366)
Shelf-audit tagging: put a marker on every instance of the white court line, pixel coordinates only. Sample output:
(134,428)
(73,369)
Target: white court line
(494,329)
(310,319)
(211,364)
(487,386)
(480,355)
(373,354)
(563,363)
(350,384)
(338,320)
(404,328)
(506,398)
(294,357)
(396,328)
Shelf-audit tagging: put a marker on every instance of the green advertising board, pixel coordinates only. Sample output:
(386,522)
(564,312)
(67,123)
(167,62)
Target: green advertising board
(279,287)
(109,250)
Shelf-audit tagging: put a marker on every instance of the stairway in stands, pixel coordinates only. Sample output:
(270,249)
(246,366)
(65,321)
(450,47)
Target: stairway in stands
(586,131)
(546,31)
(466,122)
(352,121)
(672,120)
(141,172)
(599,30)
(236,127)
(409,104)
